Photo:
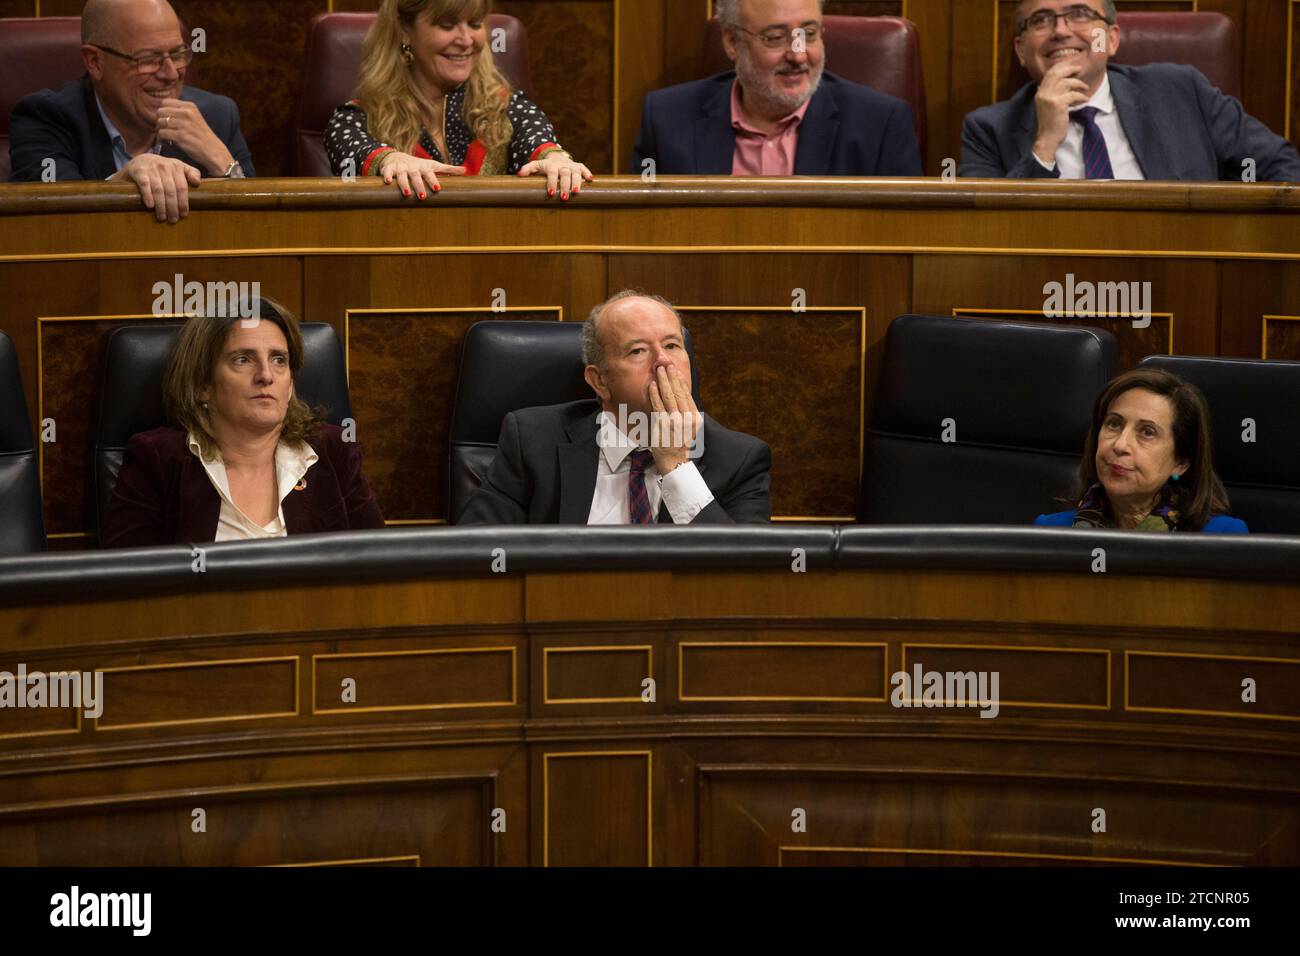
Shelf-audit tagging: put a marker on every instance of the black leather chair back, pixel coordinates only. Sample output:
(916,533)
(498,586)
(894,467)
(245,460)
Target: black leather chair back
(1263,476)
(21,526)
(504,366)
(1020,398)
(130,400)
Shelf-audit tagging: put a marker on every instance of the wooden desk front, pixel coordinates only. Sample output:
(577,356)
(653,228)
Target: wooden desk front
(508,719)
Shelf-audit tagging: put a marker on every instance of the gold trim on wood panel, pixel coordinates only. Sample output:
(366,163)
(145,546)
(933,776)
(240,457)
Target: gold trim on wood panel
(40,384)
(348,313)
(297,686)
(77,712)
(1265,320)
(681,696)
(546,683)
(1204,713)
(862,367)
(649,795)
(362,861)
(1065,857)
(514,680)
(916,702)
(1290,51)
(846,249)
(961,312)
(618,21)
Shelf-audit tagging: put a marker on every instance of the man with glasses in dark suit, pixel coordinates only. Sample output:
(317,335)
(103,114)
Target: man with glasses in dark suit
(130,117)
(1084,117)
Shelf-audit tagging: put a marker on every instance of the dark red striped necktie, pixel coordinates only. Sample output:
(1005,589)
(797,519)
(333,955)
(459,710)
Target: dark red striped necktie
(638,499)
(1096,157)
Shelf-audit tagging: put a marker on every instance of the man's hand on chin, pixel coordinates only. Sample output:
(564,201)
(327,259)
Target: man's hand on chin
(675,422)
(181,124)
(164,184)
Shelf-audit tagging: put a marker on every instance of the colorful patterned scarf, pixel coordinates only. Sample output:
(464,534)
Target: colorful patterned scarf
(1093,513)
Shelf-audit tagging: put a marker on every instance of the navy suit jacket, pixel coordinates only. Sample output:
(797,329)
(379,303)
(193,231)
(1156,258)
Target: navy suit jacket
(65,126)
(544,471)
(1218,524)
(848,130)
(1180,128)
(163,494)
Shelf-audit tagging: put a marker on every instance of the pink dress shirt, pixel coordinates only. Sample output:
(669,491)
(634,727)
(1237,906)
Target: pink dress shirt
(764,154)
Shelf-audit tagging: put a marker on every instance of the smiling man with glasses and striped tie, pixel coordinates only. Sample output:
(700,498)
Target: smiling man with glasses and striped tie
(1084,117)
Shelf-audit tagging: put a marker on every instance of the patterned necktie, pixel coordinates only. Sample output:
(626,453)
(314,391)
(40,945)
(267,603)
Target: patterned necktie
(638,501)
(1096,158)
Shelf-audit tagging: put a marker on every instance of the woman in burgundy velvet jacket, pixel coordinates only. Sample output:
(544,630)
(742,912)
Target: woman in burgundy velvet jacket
(250,460)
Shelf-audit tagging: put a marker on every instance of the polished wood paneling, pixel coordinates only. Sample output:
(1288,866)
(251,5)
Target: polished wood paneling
(1027,676)
(597,674)
(887,815)
(596,808)
(1212,684)
(711,772)
(402,368)
(199,692)
(447,677)
(779,666)
(402,821)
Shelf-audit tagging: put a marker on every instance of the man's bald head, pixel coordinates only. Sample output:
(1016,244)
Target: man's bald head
(106,22)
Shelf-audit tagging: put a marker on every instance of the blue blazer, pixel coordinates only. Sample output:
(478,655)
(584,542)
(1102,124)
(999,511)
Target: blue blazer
(1218,524)
(65,126)
(848,130)
(1180,128)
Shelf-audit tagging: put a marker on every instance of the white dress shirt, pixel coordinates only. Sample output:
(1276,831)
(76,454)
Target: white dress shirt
(120,154)
(1069,155)
(291,465)
(682,490)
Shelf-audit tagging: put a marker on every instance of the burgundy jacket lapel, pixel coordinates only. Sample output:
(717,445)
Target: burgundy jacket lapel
(299,515)
(200,505)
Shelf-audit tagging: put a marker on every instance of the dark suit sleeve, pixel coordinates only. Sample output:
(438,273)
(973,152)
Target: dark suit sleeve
(39,130)
(136,510)
(503,496)
(645,147)
(234,140)
(1238,136)
(363,509)
(900,153)
(748,497)
(981,158)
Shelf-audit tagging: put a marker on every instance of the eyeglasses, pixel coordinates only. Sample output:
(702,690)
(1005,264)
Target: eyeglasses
(779,37)
(1044,21)
(148,63)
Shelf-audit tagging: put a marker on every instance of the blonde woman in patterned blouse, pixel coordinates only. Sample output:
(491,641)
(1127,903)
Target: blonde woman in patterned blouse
(432,102)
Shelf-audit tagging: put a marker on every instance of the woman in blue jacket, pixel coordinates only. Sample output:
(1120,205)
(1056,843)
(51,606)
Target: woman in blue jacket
(1148,461)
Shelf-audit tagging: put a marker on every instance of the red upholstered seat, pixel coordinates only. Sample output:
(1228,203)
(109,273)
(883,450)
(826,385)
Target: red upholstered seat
(333,67)
(881,52)
(36,53)
(1207,41)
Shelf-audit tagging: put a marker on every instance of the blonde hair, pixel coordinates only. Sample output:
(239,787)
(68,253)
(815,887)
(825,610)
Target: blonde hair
(395,107)
(193,359)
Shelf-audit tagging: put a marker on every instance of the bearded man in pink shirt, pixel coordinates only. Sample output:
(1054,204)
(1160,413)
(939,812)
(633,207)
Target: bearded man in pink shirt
(779,113)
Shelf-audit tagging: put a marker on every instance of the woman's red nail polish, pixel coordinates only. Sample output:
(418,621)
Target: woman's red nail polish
(437,189)
(406,192)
